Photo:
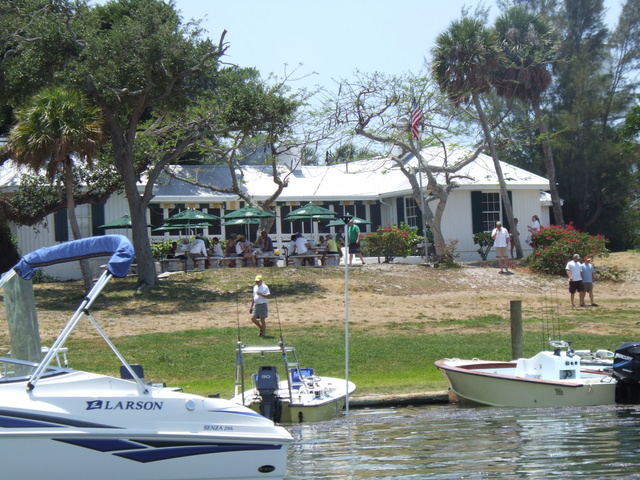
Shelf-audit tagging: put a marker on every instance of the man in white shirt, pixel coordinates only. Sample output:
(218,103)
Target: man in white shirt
(198,249)
(574,272)
(259,309)
(500,238)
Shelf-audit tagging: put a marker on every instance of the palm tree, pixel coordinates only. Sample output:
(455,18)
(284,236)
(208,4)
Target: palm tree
(465,60)
(57,125)
(528,42)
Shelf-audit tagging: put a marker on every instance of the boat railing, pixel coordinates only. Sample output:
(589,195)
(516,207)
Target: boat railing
(291,365)
(15,370)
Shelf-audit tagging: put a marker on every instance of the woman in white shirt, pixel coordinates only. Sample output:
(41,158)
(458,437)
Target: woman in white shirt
(533,229)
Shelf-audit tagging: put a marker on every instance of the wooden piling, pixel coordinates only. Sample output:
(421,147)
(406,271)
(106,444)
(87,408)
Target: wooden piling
(516,329)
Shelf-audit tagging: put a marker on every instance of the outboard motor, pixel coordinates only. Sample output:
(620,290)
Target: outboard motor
(626,369)
(267,385)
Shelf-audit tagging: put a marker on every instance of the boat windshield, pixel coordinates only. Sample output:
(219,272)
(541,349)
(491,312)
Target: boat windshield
(14,370)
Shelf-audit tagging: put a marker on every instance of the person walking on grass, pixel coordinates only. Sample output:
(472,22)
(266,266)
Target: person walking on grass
(259,308)
(500,237)
(353,237)
(574,272)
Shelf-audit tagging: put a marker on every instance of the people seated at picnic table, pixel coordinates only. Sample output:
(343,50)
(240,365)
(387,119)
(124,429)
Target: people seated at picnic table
(198,250)
(230,249)
(265,244)
(172,250)
(216,249)
(183,249)
(245,250)
(322,243)
(302,247)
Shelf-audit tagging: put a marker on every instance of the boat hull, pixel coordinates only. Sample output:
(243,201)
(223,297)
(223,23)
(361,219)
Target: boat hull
(297,413)
(81,426)
(494,384)
(305,408)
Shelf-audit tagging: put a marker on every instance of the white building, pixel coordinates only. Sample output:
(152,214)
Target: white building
(373,189)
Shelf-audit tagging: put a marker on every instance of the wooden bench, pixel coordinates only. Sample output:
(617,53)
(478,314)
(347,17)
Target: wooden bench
(306,257)
(172,264)
(199,263)
(332,260)
(227,261)
(272,260)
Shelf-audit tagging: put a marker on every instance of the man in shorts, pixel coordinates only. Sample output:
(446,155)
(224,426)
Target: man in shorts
(587,279)
(574,272)
(500,238)
(259,308)
(353,237)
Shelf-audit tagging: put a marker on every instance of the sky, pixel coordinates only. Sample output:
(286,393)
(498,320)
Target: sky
(329,40)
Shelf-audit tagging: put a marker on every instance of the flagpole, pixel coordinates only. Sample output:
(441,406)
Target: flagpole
(416,119)
(345,218)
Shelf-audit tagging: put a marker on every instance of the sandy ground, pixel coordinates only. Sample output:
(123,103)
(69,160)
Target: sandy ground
(381,297)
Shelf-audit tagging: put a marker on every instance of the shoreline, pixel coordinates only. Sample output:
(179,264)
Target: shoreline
(420,398)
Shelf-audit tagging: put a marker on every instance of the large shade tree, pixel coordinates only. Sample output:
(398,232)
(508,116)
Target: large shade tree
(465,60)
(56,129)
(529,44)
(377,107)
(156,81)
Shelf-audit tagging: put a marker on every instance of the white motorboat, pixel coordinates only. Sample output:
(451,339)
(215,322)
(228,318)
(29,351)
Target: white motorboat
(301,397)
(549,379)
(56,422)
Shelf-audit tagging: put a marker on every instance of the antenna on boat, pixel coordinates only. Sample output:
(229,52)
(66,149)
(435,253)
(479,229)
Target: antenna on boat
(275,300)
(238,311)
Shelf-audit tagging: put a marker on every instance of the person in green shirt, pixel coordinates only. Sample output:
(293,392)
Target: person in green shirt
(353,237)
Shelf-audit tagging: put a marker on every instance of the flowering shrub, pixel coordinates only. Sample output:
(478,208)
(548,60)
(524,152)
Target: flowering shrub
(556,245)
(390,242)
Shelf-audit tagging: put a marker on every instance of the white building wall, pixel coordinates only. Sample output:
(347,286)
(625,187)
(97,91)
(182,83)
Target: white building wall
(457,221)
(43,235)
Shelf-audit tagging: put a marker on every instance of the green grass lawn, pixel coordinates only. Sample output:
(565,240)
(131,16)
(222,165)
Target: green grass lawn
(202,361)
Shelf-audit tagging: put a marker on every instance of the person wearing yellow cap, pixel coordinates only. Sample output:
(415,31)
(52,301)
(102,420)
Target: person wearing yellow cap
(259,308)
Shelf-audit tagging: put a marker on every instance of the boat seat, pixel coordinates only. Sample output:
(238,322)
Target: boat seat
(296,381)
(126,375)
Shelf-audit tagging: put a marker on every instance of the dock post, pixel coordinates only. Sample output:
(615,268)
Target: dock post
(516,329)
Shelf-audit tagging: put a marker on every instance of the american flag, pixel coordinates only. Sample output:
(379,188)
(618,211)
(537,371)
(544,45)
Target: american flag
(416,119)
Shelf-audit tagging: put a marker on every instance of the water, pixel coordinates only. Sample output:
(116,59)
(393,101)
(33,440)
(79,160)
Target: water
(450,442)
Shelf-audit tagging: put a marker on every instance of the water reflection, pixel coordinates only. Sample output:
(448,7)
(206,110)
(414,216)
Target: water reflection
(449,442)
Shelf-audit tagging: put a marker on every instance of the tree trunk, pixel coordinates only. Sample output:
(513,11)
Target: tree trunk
(548,160)
(85,268)
(123,160)
(496,162)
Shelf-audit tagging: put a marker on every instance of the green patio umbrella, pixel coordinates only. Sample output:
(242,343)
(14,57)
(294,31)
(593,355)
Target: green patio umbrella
(242,221)
(191,216)
(122,222)
(181,226)
(248,212)
(311,211)
(339,223)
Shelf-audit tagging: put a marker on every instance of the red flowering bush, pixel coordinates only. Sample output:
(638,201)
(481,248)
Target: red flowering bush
(556,245)
(390,242)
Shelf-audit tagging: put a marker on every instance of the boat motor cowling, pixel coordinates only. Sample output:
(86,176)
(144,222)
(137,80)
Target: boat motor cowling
(626,369)
(267,386)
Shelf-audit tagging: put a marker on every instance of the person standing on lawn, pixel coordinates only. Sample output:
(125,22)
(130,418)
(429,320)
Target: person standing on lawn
(353,237)
(500,237)
(259,308)
(587,279)
(574,272)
